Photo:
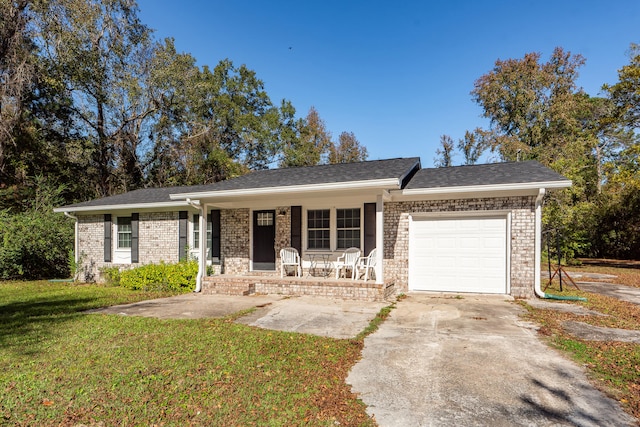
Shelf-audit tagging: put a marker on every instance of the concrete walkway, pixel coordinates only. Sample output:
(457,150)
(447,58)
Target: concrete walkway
(443,361)
(319,316)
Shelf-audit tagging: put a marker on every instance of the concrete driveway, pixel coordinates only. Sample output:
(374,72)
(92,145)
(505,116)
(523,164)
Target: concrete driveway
(470,361)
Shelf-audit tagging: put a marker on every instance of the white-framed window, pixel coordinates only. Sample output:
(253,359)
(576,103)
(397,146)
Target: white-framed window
(124,232)
(333,229)
(196,233)
(319,229)
(348,228)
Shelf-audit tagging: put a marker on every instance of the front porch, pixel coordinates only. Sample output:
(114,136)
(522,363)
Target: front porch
(357,290)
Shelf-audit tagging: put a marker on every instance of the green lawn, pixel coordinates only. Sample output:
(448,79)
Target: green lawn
(59,366)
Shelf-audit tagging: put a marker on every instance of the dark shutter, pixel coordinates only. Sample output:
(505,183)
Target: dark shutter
(369,227)
(296,228)
(183,219)
(107,238)
(214,217)
(134,237)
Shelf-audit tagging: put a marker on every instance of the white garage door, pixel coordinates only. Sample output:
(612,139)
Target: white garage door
(458,254)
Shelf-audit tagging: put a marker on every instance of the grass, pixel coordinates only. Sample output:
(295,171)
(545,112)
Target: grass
(613,366)
(59,366)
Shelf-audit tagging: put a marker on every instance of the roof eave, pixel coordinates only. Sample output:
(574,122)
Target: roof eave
(486,188)
(383,184)
(127,206)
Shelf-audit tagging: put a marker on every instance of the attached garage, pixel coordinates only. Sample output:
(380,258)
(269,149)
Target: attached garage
(459,254)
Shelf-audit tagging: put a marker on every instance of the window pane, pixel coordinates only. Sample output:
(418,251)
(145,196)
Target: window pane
(265,218)
(124,232)
(348,228)
(318,232)
(196,232)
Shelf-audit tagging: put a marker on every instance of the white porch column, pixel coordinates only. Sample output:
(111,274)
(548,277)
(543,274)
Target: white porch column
(379,239)
(202,264)
(202,241)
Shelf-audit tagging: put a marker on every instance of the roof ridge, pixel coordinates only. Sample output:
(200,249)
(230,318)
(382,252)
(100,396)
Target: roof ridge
(333,164)
(484,164)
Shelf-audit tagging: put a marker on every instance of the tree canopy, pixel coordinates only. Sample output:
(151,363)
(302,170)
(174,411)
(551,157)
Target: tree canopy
(88,90)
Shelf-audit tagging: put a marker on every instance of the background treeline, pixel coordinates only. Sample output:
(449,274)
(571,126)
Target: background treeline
(90,99)
(536,111)
(91,105)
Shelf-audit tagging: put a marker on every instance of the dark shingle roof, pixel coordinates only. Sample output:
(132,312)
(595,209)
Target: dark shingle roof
(489,174)
(143,195)
(321,174)
(458,176)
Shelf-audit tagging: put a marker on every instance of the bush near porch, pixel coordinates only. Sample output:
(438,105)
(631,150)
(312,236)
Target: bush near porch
(179,276)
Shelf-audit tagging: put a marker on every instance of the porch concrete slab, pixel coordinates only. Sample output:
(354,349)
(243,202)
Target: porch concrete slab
(325,317)
(471,360)
(190,306)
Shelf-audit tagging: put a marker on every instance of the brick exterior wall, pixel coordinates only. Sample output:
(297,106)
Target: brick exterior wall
(522,242)
(158,241)
(158,237)
(234,240)
(283,232)
(91,246)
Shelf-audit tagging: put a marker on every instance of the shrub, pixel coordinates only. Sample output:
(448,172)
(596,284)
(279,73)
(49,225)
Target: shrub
(165,277)
(34,241)
(34,245)
(111,275)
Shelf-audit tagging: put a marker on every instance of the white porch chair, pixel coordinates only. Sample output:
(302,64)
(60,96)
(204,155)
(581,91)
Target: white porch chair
(347,261)
(366,264)
(289,257)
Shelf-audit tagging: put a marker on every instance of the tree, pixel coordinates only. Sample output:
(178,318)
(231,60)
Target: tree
(472,146)
(311,145)
(348,149)
(100,52)
(531,103)
(16,75)
(213,124)
(444,154)
(625,94)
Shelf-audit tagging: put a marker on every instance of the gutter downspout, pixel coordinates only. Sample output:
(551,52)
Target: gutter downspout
(202,259)
(538,253)
(76,256)
(538,243)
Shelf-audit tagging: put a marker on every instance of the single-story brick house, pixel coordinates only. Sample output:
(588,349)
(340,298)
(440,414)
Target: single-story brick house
(461,229)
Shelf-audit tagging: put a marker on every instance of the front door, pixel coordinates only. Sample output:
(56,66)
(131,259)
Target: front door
(264,237)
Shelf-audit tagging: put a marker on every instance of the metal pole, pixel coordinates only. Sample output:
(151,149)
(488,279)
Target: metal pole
(559,259)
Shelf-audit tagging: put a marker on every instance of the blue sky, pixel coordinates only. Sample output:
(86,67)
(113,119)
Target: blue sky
(396,74)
